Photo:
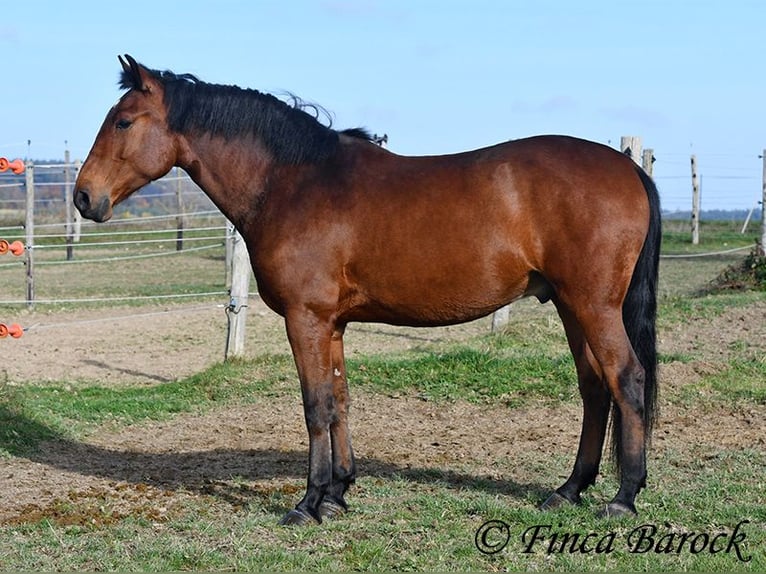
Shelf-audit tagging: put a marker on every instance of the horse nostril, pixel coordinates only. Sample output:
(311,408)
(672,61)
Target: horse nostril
(82,200)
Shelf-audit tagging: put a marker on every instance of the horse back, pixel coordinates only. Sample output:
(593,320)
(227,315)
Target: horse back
(442,239)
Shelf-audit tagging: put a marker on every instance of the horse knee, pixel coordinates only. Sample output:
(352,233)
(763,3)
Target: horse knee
(321,411)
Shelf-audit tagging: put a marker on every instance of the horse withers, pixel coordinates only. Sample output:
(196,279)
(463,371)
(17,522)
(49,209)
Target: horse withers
(340,230)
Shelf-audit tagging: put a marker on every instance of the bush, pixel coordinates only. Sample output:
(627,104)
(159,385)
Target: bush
(749,274)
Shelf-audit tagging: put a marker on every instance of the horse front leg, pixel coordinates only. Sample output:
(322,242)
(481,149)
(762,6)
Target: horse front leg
(310,339)
(318,351)
(343,463)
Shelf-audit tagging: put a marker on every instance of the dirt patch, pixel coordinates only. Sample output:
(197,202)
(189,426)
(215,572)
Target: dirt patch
(243,454)
(166,343)
(739,331)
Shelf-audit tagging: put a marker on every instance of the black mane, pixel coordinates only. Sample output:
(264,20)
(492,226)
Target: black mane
(291,134)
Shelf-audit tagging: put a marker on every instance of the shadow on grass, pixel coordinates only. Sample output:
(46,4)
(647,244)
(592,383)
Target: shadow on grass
(107,368)
(211,472)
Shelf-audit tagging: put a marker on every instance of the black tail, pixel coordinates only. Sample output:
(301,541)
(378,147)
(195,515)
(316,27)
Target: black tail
(639,313)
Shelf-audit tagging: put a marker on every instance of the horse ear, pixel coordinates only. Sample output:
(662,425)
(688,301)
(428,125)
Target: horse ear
(134,75)
(124,64)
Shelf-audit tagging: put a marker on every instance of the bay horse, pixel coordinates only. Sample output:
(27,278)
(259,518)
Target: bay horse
(341,230)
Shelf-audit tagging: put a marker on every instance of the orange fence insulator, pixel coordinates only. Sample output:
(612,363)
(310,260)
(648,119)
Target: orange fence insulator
(15,248)
(13,330)
(16,166)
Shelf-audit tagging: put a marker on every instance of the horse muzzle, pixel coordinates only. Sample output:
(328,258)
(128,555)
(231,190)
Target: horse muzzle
(98,210)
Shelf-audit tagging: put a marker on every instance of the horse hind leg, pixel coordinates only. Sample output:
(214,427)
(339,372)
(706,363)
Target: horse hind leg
(624,379)
(629,439)
(596,402)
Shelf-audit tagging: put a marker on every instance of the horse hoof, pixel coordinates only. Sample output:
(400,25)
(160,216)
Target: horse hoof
(331,509)
(617,510)
(297,517)
(555,501)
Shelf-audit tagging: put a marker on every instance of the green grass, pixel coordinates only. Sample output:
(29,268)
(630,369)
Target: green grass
(741,380)
(431,527)
(714,236)
(33,413)
(684,308)
(481,376)
(193,272)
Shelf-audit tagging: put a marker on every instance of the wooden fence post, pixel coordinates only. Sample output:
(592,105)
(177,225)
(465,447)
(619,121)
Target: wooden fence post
(238,294)
(180,219)
(631,147)
(500,318)
(230,234)
(69,229)
(763,206)
(695,203)
(29,223)
(77,217)
(647,161)
(748,218)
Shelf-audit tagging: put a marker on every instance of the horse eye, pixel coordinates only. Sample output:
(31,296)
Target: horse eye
(123,124)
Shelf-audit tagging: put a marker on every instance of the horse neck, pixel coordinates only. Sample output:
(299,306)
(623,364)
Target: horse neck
(231,172)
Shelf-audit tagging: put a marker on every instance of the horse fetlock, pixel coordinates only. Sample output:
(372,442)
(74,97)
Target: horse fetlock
(298,517)
(331,507)
(557,500)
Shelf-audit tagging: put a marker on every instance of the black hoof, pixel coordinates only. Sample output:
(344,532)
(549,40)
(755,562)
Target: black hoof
(617,510)
(555,501)
(297,517)
(331,509)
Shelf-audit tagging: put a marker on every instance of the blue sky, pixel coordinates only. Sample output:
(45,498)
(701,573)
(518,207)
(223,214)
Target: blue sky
(437,76)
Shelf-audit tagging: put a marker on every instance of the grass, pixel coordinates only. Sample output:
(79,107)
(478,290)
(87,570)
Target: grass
(740,380)
(480,376)
(432,529)
(714,236)
(30,414)
(406,518)
(679,308)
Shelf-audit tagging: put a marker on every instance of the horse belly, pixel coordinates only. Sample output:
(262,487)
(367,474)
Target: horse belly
(439,281)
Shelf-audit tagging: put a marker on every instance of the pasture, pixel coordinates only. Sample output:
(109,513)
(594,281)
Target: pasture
(128,445)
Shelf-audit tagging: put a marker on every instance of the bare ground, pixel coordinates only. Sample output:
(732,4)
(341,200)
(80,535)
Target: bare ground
(151,467)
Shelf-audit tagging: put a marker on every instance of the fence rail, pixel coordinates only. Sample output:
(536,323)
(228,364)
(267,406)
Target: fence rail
(173,220)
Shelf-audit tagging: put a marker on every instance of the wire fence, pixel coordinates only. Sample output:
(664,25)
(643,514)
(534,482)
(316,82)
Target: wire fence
(71,262)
